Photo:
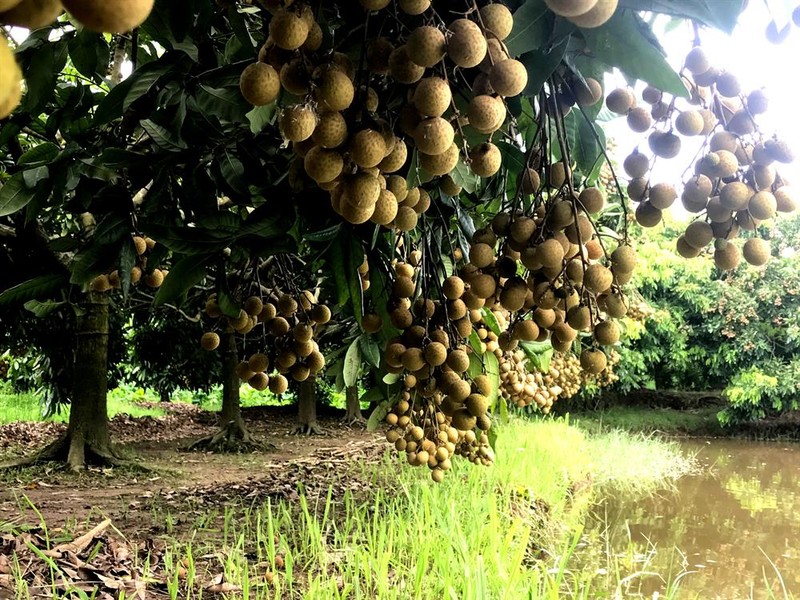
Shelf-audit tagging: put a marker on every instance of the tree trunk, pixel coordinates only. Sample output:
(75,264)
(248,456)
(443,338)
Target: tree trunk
(232,435)
(231,413)
(353,407)
(88,431)
(307,408)
(88,439)
(164,395)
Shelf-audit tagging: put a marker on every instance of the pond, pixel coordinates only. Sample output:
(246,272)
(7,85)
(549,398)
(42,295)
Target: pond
(732,531)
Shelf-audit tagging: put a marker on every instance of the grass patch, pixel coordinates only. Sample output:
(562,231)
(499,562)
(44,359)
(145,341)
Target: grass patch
(26,407)
(702,421)
(509,531)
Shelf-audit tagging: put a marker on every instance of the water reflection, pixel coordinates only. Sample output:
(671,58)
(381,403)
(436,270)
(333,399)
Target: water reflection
(734,530)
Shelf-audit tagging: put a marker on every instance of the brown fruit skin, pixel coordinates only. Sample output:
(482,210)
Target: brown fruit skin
(508,77)
(109,16)
(467,46)
(498,20)
(288,30)
(756,252)
(32,14)
(727,256)
(570,8)
(260,84)
(593,361)
(597,16)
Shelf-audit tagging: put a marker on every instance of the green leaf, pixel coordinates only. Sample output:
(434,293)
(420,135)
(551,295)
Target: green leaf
(720,14)
(541,65)
(143,81)
(232,170)
(475,341)
(226,304)
(323,235)
(539,353)
(14,195)
(492,368)
(44,153)
(380,412)
(89,53)
(227,104)
(491,321)
(370,350)
(352,364)
(187,240)
(110,107)
(40,77)
(163,137)
(463,176)
(33,176)
(45,285)
(183,276)
(260,117)
(391,378)
(475,365)
(625,42)
(531,28)
(42,309)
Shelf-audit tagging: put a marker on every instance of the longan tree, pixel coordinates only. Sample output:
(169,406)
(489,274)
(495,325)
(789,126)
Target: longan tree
(446,152)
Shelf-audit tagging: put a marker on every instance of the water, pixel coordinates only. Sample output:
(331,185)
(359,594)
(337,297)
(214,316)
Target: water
(731,532)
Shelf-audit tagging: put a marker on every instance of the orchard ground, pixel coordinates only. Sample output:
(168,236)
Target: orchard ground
(319,517)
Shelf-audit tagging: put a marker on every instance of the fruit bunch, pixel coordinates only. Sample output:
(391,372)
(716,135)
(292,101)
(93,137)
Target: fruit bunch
(442,409)
(287,324)
(733,187)
(551,274)
(153,278)
(354,129)
(4,368)
(564,378)
(103,16)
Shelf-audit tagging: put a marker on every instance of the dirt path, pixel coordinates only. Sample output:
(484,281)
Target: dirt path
(183,481)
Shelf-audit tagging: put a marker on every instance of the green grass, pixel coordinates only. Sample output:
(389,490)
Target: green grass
(509,531)
(653,420)
(26,407)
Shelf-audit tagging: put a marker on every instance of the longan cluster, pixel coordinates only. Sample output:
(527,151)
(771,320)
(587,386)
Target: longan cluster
(552,275)
(433,359)
(343,122)
(111,16)
(288,324)
(152,278)
(522,387)
(734,186)
(563,380)
(4,368)
(429,437)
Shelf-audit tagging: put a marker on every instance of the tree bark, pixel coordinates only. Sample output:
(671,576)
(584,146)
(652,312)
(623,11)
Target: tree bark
(232,435)
(353,414)
(88,438)
(164,396)
(307,409)
(231,413)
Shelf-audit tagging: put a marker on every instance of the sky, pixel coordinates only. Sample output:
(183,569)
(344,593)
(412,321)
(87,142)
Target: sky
(756,62)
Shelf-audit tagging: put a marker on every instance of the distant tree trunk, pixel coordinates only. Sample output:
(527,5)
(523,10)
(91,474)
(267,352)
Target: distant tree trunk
(232,435)
(231,414)
(353,406)
(164,395)
(307,408)
(88,433)
(88,439)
